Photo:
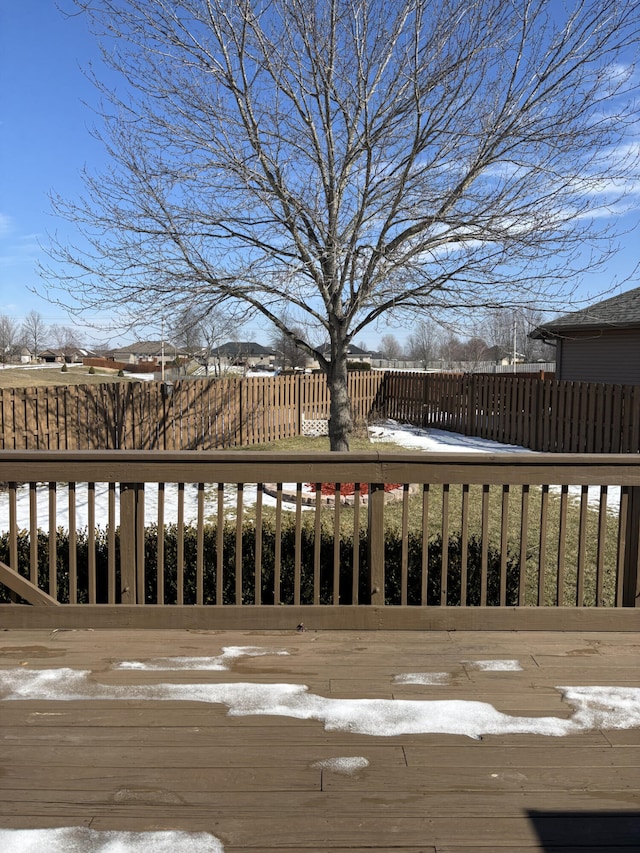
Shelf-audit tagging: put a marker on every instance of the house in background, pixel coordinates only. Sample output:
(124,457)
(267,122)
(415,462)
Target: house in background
(355,354)
(147,352)
(601,343)
(242,355)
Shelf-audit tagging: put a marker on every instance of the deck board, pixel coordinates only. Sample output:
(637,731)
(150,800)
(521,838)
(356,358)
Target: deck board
(258,783)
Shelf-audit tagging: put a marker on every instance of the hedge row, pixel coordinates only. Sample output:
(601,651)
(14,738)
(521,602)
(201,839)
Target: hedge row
(393,560)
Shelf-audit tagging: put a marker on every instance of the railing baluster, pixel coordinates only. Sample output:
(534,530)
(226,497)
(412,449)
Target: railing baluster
(200,547)
(73,546)
(111,544)
(297,563)
(33,533)
(542,556)
(160,545)
(180,546)
(464,544)
(524,538)
(355,579)
(562,544)
(220,547)
(582,545)
(623,519)
(91,543)
(257,587)
(53,548)
(504,545)
(336,545)
(375,543)
(128,542)
(317,543)
(600,556)
(424,590)
(444,565)
(484,551)
(277,562)
(404,558)
(239,523)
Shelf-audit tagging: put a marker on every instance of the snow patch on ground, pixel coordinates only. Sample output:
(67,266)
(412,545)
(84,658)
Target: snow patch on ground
(594,707)
(494,665)
(422,678)
(221,662)
(80,839)
(344,766)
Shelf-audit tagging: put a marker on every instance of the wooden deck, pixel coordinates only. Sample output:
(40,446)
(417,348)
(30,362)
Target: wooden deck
(258,783)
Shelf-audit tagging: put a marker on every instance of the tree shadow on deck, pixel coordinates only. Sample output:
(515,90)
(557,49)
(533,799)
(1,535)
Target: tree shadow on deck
(579,832)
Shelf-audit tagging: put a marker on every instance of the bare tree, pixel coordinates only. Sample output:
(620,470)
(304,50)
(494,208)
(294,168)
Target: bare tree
(64,338)
(390,347)
(330,161)
(424,342)
(34,330)
(10,337)
(509,328)
(288,353)
(474,351)
(200,332)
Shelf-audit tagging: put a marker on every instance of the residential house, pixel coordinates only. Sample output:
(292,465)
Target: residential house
(242,355)
(600,343)
(148,352)
(354,354)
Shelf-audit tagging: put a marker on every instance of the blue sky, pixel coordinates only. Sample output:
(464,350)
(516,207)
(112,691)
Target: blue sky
(45,141)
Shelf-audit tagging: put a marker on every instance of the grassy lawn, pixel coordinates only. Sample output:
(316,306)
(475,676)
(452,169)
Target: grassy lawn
(39,377)
(551,545)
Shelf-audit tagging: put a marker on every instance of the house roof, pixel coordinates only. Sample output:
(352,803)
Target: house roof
(352,349)
(146,348)
(617,312)
(238,348)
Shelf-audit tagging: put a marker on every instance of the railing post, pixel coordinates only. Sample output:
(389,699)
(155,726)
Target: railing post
(131,494)
(631,578)
(375,542)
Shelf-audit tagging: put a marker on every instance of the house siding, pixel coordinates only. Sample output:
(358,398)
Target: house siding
(600,356)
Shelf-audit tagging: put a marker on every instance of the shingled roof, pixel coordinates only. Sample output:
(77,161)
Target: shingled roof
(617,312)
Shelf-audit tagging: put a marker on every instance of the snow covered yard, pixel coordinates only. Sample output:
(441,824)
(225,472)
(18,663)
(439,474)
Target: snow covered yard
(404,435)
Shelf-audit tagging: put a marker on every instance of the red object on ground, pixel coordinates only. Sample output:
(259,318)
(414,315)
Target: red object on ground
(349,488)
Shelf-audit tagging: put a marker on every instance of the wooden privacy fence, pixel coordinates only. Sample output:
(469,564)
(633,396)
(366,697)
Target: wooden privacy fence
(538,413)
(542,414)
(187,414)
(439,540)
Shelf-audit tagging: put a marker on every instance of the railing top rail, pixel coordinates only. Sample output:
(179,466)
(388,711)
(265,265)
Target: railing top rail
(365,467)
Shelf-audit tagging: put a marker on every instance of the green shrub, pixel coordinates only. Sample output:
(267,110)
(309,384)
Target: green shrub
(393,556)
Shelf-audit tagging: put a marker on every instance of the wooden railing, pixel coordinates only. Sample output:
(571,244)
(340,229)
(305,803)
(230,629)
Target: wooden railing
(154,539)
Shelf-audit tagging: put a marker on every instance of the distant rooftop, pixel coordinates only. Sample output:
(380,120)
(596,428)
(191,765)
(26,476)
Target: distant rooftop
(617,312)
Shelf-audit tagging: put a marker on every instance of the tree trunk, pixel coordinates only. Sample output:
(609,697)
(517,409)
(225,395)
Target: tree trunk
(340,422)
